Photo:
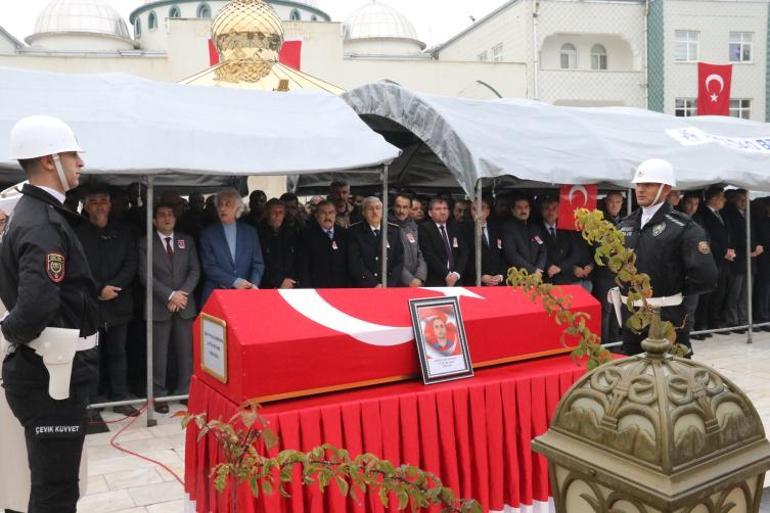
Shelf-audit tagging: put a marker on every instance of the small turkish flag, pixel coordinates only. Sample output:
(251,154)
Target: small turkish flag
(573,197)
(714,89)
(213,53)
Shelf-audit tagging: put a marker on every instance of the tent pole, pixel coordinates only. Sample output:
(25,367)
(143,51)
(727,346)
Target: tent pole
(629,202)
(384,231)
(477,235)
(148,298)
(749,305)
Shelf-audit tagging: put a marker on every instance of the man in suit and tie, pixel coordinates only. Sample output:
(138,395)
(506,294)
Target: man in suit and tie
(230,253)
(365,248)
(493,270)
(523,244)
(712,307)
(442,246)
(566,255)
(175,274)
(322,256)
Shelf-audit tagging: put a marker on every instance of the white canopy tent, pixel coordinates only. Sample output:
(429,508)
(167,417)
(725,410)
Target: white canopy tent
(538,143)
(132,128)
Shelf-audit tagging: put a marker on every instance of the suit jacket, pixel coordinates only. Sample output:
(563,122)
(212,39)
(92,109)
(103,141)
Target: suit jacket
(279,253)
(523,246)
(736,226)
(219,269)
(181,272)
(322,262)
(414,263)
(492,258)
(435,253)
(565,252)
(365,256)
(718,233)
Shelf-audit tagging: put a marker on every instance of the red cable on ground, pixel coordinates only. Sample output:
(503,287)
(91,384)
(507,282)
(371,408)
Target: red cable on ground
(116,445)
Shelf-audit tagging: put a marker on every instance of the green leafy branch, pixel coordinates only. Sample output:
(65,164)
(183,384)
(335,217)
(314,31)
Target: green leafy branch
(245,438)
(609,251)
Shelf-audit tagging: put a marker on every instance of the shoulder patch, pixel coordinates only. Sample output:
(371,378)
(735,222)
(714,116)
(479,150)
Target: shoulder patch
(704,248)
(55,267)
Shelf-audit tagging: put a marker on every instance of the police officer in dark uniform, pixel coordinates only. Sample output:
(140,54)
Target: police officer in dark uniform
(52,314)
(670,247)
(365,248)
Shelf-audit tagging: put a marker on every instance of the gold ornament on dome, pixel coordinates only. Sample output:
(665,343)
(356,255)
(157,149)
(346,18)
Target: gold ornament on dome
(248,35)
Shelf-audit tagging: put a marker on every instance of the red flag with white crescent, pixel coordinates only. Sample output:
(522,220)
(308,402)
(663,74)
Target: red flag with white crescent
(573,197)
(714,82)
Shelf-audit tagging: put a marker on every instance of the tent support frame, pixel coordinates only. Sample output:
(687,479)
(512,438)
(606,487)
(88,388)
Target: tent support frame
(148,299)
(384,230)
(477,232)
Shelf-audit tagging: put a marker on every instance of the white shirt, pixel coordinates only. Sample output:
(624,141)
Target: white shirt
(649,212)
(53,192)
(163,240)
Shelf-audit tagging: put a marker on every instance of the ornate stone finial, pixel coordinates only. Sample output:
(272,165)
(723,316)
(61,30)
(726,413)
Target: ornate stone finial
(248,35)
(655,345)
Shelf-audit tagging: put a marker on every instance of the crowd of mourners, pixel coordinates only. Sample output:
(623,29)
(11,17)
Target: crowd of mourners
(334,241)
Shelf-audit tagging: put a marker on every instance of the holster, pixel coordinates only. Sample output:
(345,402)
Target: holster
(57,348)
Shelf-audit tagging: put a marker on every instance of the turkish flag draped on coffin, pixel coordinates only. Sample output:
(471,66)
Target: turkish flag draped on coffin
(714,89)
(290,54)
(573,197)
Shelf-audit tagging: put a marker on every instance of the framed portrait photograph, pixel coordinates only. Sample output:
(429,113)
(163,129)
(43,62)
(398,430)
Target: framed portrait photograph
(440,337)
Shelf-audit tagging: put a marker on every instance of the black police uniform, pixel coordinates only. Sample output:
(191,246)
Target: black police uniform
(47,283)
(674,251)
(365,255)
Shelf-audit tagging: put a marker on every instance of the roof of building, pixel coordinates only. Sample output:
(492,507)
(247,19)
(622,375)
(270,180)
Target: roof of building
(10,37)
(80,16)
(376,20)
(473,26)
(310,5)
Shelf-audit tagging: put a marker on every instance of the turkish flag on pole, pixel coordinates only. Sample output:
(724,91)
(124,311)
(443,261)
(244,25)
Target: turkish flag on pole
(573,197)
(290,54)
(714,89)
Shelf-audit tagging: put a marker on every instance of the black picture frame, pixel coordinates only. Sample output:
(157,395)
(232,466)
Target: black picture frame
(443,356)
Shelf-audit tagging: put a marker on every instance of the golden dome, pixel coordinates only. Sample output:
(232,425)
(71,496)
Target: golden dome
(248,35)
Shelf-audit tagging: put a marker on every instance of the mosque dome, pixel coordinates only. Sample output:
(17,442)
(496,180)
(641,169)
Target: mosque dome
(95,17)
(376,20)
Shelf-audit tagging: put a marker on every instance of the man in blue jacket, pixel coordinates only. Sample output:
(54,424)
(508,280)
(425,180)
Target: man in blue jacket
(230,253)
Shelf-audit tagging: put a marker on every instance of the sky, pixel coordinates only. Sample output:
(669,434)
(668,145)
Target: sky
(435,20)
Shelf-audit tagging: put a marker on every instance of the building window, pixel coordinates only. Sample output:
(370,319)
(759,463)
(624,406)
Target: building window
(568,56)
(483,56)
(740,108)
(204,11)
(152,21)
(740,46)
(137,28)
(598,57)
(295,16)
(685,45)
(685,107)
(174,12)
(497,53)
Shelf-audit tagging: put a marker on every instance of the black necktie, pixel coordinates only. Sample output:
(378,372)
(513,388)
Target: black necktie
(376,233)
(169,250)
(444,236)
(552,232)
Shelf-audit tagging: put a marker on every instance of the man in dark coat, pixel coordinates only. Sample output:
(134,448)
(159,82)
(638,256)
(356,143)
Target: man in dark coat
(278,242)
(523,244)
(322,257)
(365,248)
(111,251)
(493,270)
(442,246)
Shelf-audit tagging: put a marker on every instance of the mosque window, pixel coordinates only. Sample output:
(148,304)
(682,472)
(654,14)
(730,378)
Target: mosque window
(152,21)
(137,28)
(295,16)
(568,56)
(204,11)
(175,12)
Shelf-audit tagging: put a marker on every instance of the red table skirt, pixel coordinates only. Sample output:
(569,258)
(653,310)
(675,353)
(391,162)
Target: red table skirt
(474,434)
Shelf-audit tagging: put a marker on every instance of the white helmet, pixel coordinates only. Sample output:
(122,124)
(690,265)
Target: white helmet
(655,171)
(39,136)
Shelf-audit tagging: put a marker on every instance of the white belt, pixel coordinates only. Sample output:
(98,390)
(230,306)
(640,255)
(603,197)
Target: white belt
(615,298)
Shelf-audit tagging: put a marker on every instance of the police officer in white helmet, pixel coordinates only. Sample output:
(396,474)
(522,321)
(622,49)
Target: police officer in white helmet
(52,313)
(671,248)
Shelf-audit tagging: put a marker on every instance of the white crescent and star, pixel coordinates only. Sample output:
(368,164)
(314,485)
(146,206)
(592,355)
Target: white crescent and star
(714,78)
(310,304)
